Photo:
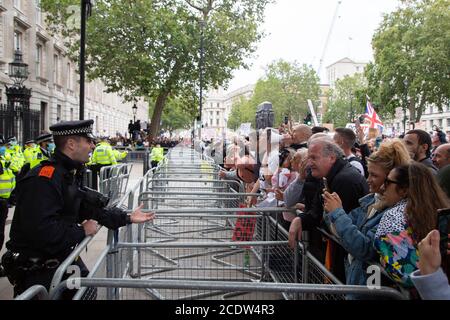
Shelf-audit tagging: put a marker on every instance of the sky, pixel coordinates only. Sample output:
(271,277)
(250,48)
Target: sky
(297,30)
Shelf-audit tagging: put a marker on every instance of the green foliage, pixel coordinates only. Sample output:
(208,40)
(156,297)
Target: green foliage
(178,114)
(346,101)
(412,58)
(151,48)
(287,86)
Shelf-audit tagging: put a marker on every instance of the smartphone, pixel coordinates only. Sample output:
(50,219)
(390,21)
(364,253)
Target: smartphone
(286,120)
(443,225)
(325,184)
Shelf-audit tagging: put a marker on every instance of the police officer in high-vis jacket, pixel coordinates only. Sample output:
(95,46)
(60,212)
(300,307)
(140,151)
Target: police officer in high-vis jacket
(54,212)
(7,184)
(103,156)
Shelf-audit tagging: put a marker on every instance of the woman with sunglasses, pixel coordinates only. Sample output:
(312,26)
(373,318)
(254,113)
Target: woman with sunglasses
(356,229)
(414,196)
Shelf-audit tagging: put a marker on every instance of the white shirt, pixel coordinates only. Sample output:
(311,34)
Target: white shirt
(356,164)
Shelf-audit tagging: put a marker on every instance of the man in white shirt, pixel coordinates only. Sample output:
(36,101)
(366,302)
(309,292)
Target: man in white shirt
(346,138)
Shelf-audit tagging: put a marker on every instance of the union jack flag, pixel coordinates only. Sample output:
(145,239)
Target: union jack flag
(372,117)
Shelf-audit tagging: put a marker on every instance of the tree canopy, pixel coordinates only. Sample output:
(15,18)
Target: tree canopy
(346,101)
(412,58)
(151,48)
(287,85)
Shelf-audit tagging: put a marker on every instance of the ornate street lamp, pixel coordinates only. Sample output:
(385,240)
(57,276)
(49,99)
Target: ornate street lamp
(18,70)
(19,122)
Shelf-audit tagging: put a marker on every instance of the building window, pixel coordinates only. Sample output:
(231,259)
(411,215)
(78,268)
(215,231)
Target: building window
(71,114)
(69,77)
(38,12)
(17,4)
(217,122)
(17,41)
(38,60)
(58,113)
(431,109)
(440,123)
(448,122)
(55,68)
(210,122)
(217,113)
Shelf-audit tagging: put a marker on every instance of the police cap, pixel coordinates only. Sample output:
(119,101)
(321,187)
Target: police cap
(73,128)
(29,141)
(44,137)
(11,139)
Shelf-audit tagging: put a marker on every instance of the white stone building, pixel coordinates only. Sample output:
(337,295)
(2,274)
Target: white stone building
(217,109)
(342,68)
(52,75)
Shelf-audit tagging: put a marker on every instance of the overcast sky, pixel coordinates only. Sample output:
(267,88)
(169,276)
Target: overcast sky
(297,30)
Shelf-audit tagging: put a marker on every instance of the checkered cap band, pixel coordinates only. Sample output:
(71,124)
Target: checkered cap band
(71,132)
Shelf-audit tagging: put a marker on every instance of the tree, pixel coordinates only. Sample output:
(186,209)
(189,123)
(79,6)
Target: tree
(346,101)
(242,112)
(287,86)
(412,58)
(150,48)
(177,114)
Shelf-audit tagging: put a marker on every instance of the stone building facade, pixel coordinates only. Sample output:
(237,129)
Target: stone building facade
(52,75)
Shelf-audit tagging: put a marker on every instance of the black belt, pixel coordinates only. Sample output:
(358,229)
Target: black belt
(26,263)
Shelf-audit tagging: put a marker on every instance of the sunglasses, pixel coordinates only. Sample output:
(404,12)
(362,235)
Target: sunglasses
(388,181)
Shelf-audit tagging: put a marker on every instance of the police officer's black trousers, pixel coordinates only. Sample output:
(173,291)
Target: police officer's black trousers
(44,277)
(3,216)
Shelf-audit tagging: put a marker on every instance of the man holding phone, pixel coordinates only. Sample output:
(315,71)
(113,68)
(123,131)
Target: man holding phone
(326,160)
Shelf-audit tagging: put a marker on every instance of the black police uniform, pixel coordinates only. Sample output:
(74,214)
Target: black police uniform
(45,227)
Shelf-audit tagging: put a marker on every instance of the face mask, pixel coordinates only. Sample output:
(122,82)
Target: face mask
(51,147)
(2,151)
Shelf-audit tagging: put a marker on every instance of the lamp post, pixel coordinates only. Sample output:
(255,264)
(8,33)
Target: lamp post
(18,100)
(86,7)
(202,25)
(134,108)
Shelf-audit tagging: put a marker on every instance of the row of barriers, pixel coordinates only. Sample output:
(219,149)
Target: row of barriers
(203,244)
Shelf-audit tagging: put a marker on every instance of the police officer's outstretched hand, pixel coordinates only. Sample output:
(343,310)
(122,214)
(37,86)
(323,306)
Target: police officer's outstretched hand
(90,227)
(138,216)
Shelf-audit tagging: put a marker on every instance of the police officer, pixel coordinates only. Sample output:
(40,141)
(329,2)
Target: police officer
(156,155)
(14,155)
(102,156)
(54,213)
(29,151)
(45,149)
(7,184)
(42,152)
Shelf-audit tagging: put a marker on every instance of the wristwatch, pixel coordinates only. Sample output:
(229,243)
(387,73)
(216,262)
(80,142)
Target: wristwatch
(128,219)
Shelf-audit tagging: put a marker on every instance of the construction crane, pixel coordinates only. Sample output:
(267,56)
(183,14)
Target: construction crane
(328,37)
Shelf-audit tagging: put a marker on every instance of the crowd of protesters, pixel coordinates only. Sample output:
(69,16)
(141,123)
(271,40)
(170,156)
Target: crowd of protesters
(363,198)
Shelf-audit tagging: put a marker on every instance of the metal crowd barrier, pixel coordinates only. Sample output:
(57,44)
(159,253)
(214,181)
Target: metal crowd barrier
(36,292)
(204,244)
(113,180)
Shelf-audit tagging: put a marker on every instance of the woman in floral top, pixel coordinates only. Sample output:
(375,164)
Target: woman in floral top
(415,196)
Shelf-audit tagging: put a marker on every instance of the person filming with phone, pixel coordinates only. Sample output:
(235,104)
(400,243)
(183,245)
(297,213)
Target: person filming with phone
(327,160)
